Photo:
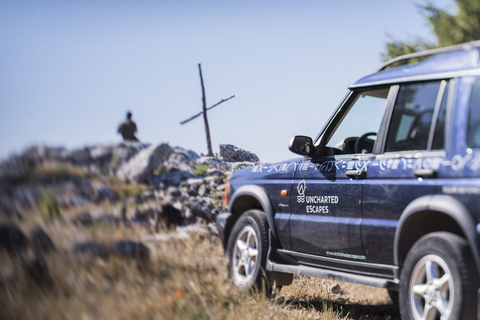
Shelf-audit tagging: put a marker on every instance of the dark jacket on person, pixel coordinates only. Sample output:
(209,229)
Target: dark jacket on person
(127,130)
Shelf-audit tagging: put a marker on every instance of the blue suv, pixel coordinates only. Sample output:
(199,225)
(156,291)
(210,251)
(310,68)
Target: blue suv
(387,194)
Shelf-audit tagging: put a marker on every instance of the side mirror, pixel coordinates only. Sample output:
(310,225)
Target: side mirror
(302,145)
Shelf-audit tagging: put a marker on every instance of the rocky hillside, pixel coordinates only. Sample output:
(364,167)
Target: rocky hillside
(148,176)
(85,201)
(123,232)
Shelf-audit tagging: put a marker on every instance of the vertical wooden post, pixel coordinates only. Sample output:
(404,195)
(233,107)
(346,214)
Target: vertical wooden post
(207,129)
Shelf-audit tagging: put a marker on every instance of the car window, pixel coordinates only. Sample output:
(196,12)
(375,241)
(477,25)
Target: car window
(364,116)
(412,117)
(473,129)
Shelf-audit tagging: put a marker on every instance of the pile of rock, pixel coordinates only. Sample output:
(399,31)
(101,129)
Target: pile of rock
(191,183)
(174,187)
(106,158)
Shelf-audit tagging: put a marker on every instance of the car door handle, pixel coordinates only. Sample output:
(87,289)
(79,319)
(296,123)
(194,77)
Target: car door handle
(425,173)
(356,174)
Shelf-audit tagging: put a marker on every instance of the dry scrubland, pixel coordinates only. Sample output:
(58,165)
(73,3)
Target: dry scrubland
(186,279)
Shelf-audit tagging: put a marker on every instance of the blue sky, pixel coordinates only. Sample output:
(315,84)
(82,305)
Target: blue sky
(69,70)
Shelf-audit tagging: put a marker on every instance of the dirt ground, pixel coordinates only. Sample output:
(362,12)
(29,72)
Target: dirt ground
(352,301)
(186,279)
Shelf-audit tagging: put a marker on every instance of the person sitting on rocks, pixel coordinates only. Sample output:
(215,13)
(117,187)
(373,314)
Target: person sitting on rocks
(128,128)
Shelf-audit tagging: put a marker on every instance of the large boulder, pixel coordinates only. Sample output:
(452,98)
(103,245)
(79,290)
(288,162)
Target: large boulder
(81,156)
(131,249)
(41,241)
(181,159)
(18,167)
(141,166)
(124,249)
(12,239)
(176,169)
(115,155)
(14,242)
(232,153)
(13,169)
(40,153)
(92,248)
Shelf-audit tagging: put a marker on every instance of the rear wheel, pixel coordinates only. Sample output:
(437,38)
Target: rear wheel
(439,279)
(247,250)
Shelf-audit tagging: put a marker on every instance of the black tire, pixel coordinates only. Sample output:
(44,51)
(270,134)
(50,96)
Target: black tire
(247,250)
(439,279)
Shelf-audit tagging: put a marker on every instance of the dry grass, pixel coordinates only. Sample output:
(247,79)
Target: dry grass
(55,170)
(186,279)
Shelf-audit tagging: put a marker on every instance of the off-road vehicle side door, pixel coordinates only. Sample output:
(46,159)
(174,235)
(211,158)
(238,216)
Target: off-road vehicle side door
(327,190)
(411,149)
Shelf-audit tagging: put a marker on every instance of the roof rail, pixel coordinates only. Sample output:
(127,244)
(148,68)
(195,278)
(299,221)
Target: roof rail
(462,46)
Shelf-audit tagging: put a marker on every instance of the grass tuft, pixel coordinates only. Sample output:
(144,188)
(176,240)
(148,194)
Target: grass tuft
(200,170)
(48,205)
(185,279)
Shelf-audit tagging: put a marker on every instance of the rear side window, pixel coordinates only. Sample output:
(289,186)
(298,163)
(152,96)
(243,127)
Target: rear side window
(414,124)
(473,129)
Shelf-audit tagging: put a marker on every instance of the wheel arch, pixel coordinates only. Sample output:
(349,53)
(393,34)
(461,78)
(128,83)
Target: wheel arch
(434,213)
(249,197)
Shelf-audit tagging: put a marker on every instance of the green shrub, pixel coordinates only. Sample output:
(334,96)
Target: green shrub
(48,204)
(135,191)
(200,170)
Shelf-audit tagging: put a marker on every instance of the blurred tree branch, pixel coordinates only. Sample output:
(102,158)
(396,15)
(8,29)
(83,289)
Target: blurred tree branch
(448,28)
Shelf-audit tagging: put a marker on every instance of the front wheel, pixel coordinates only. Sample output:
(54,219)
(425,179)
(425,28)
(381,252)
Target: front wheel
(439,279)
(247,250)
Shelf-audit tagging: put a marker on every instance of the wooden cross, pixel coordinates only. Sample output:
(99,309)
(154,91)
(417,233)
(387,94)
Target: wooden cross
(204,112)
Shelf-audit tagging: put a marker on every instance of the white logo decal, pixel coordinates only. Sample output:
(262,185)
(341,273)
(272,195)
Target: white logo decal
(301,187)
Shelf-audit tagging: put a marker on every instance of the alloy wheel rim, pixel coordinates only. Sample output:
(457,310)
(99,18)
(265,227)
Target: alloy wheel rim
(431,289)
(245,256)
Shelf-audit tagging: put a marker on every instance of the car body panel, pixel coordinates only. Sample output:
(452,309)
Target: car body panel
(354,217)
(326,209)
(271,181)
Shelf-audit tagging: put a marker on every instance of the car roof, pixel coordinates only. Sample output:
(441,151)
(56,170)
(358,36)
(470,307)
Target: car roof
(438,63)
